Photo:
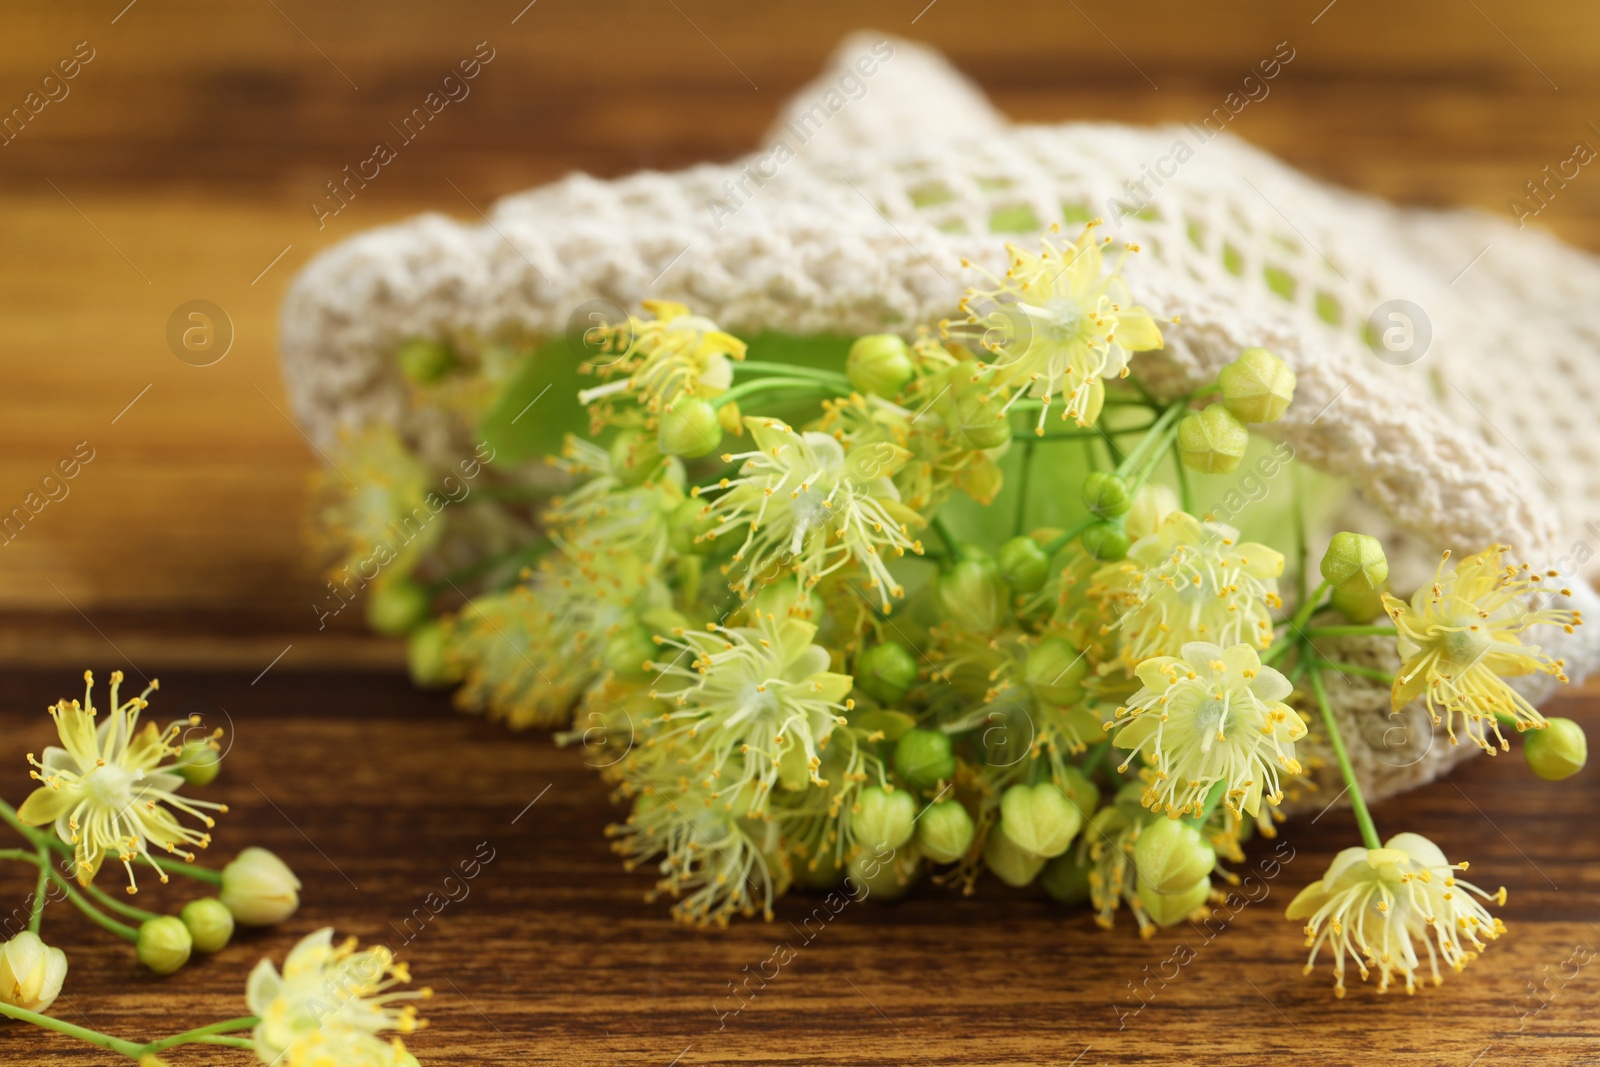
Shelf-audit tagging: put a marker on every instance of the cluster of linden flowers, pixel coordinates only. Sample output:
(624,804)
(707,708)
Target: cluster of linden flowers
(755,607)
(113,790)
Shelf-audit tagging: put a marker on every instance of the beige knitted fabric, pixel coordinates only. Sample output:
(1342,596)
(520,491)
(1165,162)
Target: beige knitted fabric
(1463,430)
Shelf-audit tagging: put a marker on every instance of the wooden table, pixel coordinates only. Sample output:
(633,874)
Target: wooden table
(180,167)
(375,794)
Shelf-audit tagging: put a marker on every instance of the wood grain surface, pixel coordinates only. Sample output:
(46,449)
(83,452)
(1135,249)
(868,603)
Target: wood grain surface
(376,794)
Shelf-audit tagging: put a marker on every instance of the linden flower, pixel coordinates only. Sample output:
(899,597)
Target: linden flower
(1459,639)
(757,706)
(605,512)
(808,500)
(377,508)
(329,1005)
(109,788)
(1373,905)
(1192,581)
(1215,715)
(674,354)
(1058,324)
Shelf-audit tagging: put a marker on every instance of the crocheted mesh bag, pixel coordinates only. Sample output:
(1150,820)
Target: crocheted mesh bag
(1428,345)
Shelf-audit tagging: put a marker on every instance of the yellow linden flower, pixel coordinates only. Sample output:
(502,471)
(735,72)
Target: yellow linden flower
(1373,905)
(1459,639)
(1214,715)
(673,354)
(1058,324)
(376,510)
(105,790)
(1192,581)
(329,1005)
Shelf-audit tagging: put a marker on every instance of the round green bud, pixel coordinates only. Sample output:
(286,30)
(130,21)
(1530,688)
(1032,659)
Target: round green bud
(1360,606)
(1107,495)
(1023,564)
(629,651)
(1558,751)
(977,420)
(200,761)
(944,832)
(886,672)
(635,455)
(426,657)
(1171,855)
(1212,441)
(396,607)
(1078,788)
(164,944)
(1056,670)
(1011,863)
(1169,909)
(878,363)
(886,876)
(209,922)
(1257,387)
(689,428)
(1066,880)
(1039,819)
(972,595)
(423,361)
(924,759)
(1355,563)
(882,818)
(1106,541)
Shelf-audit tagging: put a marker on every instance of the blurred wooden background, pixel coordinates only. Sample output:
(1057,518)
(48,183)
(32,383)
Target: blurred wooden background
(180,162)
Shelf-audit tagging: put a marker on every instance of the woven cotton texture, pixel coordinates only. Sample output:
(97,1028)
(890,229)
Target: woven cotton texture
(859,223)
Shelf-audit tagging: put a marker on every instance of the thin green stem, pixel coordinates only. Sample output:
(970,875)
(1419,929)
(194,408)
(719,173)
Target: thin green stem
(190,870)
(1022,487)
(1276,652)
(230,1042)
(1361,672)
(1352,631)
(758,366)
(1299,515)
(1072,532)
(36,916)
(1358,803)
(1185,496)
(93,1037)
(98,917)
(204,1034)
(121,908)
(1308,607)
(1080,435)
(951,548)
(801,386)
(1155,441)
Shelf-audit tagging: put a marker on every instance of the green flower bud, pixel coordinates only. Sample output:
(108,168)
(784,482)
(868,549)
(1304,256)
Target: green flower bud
(882,818)
(923,758)
(200,761)
(689,428)
(1039,819)
(1023,564)
(1066,880)
(423,361)
(1361,606)
(1011,863)
(1056,670)
(1558,751)
(1212,441)
(972,595)
(635,455)
(886,876)
(878,363)
(1257,387)
(1106,541)
(944,832)
(1107,495)
(396,607)
(1079,790)
(886,672)
(1169,909)
(164,944)
(209,922)
(1171,855)
(629,652)
(259,888)
(426,658)
(1356,563)
(976,420)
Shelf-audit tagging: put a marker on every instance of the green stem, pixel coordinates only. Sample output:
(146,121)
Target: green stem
(1022,487)
(951,548)
(1072,532)
(93,1037)
(1080,435)
(230,1042)
(1299,515)
(803,385)
(1154,441)
(1275,653)
(121,908)
(1362,672)
(758,366)
(1185,496)
(1352,631)
(36,917)
(1358,803)
(205,1034)
(1308,607)
(190,870)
